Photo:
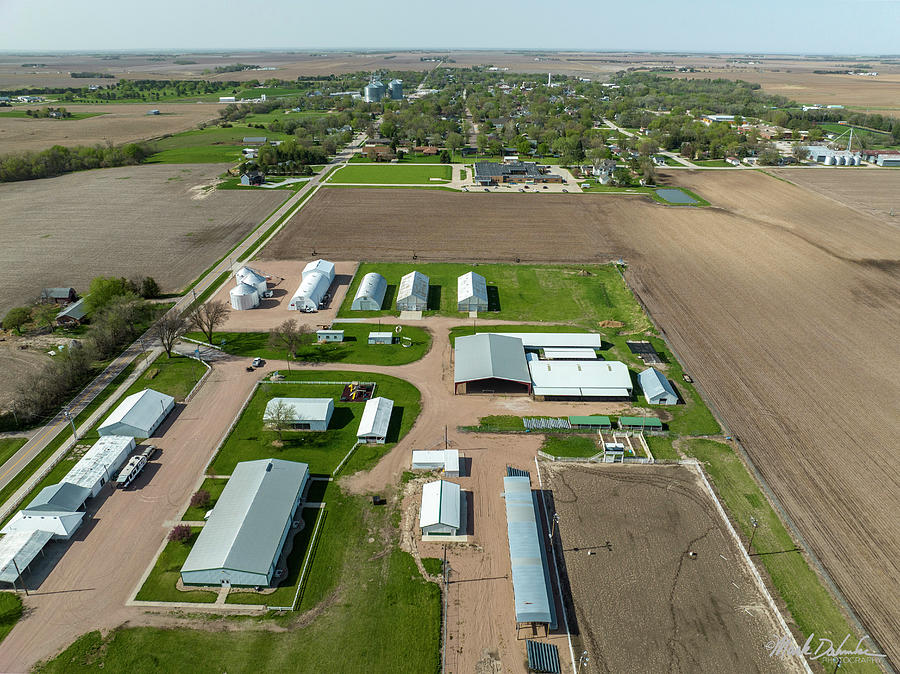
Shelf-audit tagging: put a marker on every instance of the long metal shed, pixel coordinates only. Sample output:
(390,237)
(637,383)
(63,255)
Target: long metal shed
(376,418)
(242,541)
(412,295)
(139,414)
(370,294)
(489,361)
(530,573)
(17,550)
(100,464)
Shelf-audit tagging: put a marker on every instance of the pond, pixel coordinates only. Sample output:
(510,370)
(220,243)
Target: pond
(675,196)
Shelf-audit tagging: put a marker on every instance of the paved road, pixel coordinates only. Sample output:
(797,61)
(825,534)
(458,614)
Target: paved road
(47,433)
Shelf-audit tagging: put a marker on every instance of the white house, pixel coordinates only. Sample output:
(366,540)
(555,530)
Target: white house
(57,509)
(376,417)
(139,414)
(440,513)
(306,414)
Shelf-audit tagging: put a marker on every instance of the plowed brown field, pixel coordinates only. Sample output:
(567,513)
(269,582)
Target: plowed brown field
(783,304)
(140,220)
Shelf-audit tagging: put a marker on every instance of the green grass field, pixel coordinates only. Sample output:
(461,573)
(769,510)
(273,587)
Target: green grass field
(392,174)
(214,486)
(351,572)
(570,445)
(10,612)
(355,349)
(661,447)
(719,163)
(160,584)
(323,451)
(581,295)
(211,145)
(810,604)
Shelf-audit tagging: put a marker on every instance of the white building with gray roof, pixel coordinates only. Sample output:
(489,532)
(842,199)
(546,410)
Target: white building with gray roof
(242,541)
(412,295)
(657,388)
(488,362)
(139,414)
(370,294)
(471,292)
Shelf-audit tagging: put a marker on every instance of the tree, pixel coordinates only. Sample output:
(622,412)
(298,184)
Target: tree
(288,335)
(200,499)
(279,417)
(45,315)
(180,533)
(168,329)
(102,290)
(454,142)
(15,318)
(445,157)
(799,151)
(149,288)
(769,157)
(621,177)
(207,317)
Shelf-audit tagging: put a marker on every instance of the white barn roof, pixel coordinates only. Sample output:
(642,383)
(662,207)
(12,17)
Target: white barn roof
(138,414)
(252,278)
(471,287)
(435,459)
(413,286)
(23,547)
(323,266)
(440,504)
(580,378)
(376,418)
(304,409)
(311,291)
(370,294)
(244,531)
(100,461)
(543,340)
(655,385)
(489,356)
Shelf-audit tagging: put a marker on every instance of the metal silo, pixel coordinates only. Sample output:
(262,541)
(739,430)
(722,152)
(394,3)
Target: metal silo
(373,92)
(396,90)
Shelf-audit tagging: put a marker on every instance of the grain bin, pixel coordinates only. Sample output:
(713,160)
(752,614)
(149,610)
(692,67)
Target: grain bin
(244,297)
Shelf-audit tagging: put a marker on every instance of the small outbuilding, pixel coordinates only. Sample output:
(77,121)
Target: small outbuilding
(139,414)
(440,513)
(471,292)
(244,297)
(330,335)
(657,388)
(412,295)
(381,338)
(242,542)
(73,314)
(595,422)
(444,460)
(370,294)
(376,418)
(61,296)
(305,414)
(648,424)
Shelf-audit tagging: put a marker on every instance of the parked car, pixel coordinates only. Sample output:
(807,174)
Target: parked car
(258,362)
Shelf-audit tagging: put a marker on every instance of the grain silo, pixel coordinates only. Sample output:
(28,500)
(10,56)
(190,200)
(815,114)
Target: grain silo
(243,297)
(374,92)
(253,278)
(396,90)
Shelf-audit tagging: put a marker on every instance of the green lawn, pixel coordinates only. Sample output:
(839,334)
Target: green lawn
(570,445)
(720,163)
(10,612)
(214,486)
(661,447)
(351,571)
(323,451)
(212,154)
(392,174)
(160,584)
(433,565)
(211,145)
(809,602)
(174,376)
(355,349)
(9,446)
(578,294)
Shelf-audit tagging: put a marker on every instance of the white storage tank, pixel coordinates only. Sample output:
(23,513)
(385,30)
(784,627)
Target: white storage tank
(244,297)
(253,278)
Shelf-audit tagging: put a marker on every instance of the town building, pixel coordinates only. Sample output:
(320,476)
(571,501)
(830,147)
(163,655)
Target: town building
(491,173)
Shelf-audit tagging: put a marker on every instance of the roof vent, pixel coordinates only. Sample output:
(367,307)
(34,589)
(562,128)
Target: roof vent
(269,467)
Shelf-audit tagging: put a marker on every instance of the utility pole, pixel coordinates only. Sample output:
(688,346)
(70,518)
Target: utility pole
(19,576)
(583,660)
(755,523)
(71,422)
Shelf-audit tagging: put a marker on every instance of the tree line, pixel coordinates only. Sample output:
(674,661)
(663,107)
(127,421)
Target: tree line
(59,160)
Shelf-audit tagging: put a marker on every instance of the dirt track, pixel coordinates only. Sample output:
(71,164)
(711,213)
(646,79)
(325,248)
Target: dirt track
(639,591)
(783,304)
(151,220)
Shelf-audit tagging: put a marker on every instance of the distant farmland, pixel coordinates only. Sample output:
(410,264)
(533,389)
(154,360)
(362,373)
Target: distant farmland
(153,220)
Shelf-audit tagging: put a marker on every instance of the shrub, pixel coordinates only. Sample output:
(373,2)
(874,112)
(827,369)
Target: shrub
(180,533)
(200,499)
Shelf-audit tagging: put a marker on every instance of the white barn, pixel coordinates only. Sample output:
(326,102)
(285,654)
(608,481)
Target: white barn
(311,293)
(440,513)
(139,414)
(412,295)
(445,460)
(471,292)
(307,414)
(252,278)
(376,417)
(101,463)
(657,388)
(243,539)
(56,509)
(580,379)
(321,266)
(370,294)
(243,297)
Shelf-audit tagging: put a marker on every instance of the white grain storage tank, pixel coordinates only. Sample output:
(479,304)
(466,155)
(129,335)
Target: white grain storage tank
(243,297)
(829,160)
(373,92)
(396,90)
(253,278)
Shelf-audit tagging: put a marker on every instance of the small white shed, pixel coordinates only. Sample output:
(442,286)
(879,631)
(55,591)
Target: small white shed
(381,338)
(307,414)
(376,417)
(657,388)
(440,513)
(330,335)
(445,460)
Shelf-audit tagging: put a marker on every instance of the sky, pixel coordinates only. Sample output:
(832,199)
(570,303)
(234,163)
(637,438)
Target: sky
(845,27)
